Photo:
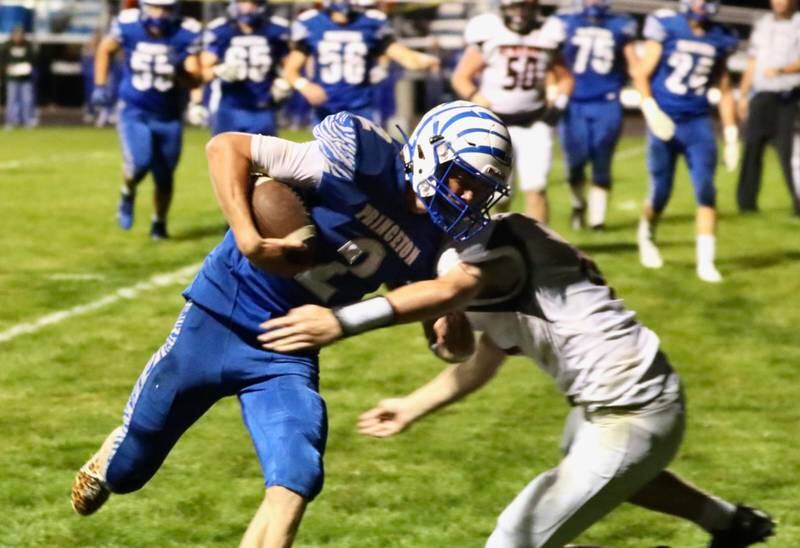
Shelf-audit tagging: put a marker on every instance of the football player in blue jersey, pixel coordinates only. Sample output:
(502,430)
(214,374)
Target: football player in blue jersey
(685,53)
(597,46)
(161,53)
(380,217)
(345,41)
(243,52)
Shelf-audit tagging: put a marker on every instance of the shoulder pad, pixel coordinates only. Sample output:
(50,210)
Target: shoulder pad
(567,12)
(308,14)
(338,141)
(664,13)
(480,28)
(218,22)
(375,14)
(128,16)
(280,21)
(192,25)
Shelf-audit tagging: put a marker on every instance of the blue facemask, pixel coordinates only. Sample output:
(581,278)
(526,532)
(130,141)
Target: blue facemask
(162,25)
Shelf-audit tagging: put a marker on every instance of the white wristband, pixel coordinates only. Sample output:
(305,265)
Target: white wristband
(364,316)
(731,134)
(300,83)
(561,101)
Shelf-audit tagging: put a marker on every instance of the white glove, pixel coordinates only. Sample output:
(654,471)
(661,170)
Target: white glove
(228,72)
(280,90)
(657,120)
(730,155)
(197,115)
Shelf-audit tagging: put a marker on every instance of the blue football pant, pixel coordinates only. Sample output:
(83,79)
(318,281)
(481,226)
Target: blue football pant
(589,132)
(694,139)
(149,144)
(248,121)
(204,359)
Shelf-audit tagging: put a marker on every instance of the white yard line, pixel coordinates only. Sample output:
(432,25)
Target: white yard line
(58,158)
(182,275)
(628,152)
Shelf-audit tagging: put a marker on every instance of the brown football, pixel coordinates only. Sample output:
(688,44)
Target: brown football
(278,212)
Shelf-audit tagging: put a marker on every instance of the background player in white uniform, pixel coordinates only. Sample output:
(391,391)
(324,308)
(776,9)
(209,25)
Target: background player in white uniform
(512,59)
(532,293)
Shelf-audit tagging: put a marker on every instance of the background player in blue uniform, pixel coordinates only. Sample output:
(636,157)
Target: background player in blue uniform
(243,52)
(597,46)
(684,55)
(345,42)
(160,54)
(369,206)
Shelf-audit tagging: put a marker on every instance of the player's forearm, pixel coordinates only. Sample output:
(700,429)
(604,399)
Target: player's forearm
(102,60)
(293,66)
(727,110)
(192,73)
(565,82)
(434,298)
(747,78)
(207,62)
(229,168)
(457,381)
(408,58)
(646,67)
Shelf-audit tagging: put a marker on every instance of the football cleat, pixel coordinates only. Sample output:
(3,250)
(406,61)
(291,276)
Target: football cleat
(158,230)
(748,526)
(125,211)
(89,489)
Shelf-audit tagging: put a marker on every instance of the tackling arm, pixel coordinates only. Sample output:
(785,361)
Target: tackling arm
(392,416)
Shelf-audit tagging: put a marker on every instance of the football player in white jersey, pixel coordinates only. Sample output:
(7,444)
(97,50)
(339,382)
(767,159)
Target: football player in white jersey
(506,67)
(532,293)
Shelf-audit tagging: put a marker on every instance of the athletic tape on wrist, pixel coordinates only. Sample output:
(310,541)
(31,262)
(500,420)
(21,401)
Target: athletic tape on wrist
(300,83)
(364,316)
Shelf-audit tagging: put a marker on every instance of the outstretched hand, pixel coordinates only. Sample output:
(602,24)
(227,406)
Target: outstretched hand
(303,328)
(389,417)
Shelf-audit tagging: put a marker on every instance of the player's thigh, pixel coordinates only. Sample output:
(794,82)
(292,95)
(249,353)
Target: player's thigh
(605,131)
(611,458)
(700,148)
(533,149)
(136,140)
(287,420)
(178,384)
(573,131)
(167,144)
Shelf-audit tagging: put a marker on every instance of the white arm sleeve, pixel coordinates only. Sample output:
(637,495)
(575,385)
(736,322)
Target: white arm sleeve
(296,164)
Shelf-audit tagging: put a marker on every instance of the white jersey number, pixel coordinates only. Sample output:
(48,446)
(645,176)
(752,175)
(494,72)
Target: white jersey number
(342,61)
(318,279)
(687,74)
(522,73)
(252,62)
(594,51)
(151,71)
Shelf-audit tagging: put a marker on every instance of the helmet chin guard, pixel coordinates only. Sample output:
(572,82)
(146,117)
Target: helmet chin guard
(709,9)
(459,139)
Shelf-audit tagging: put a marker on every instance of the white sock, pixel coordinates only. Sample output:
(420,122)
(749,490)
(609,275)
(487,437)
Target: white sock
(646,231)
(706,249)
(598,203)
(716,514)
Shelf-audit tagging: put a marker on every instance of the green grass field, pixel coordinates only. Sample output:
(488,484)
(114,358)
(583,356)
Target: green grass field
(442,483)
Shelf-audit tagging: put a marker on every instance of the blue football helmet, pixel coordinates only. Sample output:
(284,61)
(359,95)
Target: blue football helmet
(250,18)
(700,10)
(469,143)
(342,6)
(165,23)
(594,8)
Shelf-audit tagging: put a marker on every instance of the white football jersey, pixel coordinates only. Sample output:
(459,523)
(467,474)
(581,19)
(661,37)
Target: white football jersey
(513,79)
(564,317)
